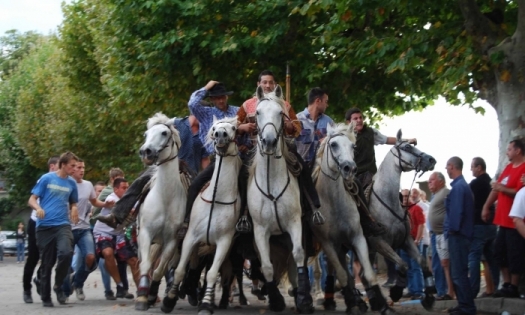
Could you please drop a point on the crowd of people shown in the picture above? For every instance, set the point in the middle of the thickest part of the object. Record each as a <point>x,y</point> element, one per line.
<point>455,228</point>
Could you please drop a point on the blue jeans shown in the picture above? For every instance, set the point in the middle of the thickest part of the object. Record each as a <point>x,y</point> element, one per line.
<point>458,247</point>
<point>106,279</point>
<point>85,245</point>
<point>437,269</point>
<point>482,242</point>
<point>20,249</point>
<point>414,274</point>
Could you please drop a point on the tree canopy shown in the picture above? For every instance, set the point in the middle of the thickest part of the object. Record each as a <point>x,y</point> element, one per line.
<point>114,63</point>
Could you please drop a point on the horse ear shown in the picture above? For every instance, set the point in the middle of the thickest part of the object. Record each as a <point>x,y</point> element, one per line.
<point>259,93</point>
<point>351,126</point>
<point>399,134</point>
<point>278,91</point>
<point>214,120</point>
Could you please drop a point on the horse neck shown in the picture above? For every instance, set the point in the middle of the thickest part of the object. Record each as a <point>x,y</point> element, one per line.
<point>270,166</point>
<point>388,178</point>
<point>168,175</point>
<point>226,178</point>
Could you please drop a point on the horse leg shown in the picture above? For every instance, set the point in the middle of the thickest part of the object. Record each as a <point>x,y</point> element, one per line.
<point>342,275</point>
<point>223,245</point>
<point>237,262</point>
<point>191,282</point>
<point>170,300</point>
<point>329,288</point>
<point>382,247</point>
<point>292,277</point>
<point>430,289</point>
<point>262,241</point>
<point>226,284</point>
<point>317,274</point>
<point>375,297</point>
<point>352,296</point>
<point>160,271</point>
<point>145,265</point>
<point>303,298</point>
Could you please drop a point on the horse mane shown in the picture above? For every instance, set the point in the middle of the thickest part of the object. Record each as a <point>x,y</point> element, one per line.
<point>229,120</point>
<point>274,98</point>
<point>160,118</point>
<point>338,128</point>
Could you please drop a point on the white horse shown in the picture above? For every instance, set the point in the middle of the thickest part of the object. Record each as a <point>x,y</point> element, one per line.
<point>333,174</point>
<point>273,199</point>
<point>162,213</point>
<point>386,208</point>
<point>214,214</point>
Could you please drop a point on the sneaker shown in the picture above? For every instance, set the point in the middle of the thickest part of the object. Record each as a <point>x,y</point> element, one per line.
<point>110,295</point>
<point>80,294</point>
<point>388,284</point>
<point>508,291</point>
<point>36,281</point>
<point>47,303</point>
<point>108,220</point>
<point>121,293</point>
<point>258,293</point>
<point>61,297</point>
<point>417,297</point>
<point>27,297</point>
<point>128,295</point>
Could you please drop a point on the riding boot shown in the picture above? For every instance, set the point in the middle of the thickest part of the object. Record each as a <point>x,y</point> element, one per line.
<point>122,209</point>
<point>369,225</point>
<point>193,191</point>
<point>307,189</point>
<point>243,225</point>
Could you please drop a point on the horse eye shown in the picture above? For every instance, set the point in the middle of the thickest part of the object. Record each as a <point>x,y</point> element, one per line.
<point>233,128</point>
<point>333,145</point>
<point>164,133</point>
<point>213,129</point>
<point>354,146</point>
<point>257,112</point>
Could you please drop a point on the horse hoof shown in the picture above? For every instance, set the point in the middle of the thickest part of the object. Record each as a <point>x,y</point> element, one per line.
<point>192,300</point>
<point>306,309</point>
<point>277,303</point>
<point>168,305</point>
<point>396,292</point>
<point>223,305</point>
<point>152,300</point>
<point>243,301</point>
<point>353,311</point>
<point>428,302</point>
<point>329,305</point>
<point>141,306</point>
<point>206,308</point>
<point>388,311</point>
<point>362,306</point>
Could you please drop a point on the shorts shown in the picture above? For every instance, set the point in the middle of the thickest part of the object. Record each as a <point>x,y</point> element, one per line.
<point>509,250</point>
<point>442,247</point>
<point>120,245</point>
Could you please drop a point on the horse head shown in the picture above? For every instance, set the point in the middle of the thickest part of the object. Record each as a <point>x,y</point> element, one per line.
<point>222,134</point>
<point>161,134</point>
<point>270,121</point>
<point>411,158</point>
<point>339,146</point>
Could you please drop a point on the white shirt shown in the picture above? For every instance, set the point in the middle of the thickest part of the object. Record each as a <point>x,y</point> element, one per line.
<point>518,206</point>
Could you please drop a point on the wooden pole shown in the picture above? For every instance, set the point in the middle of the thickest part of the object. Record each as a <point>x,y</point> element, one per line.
<point>287,97</point>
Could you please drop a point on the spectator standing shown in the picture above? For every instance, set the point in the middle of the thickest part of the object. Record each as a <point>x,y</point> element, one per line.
<point>58,196</point>
<point>33,255</point>
<point>20,243</point>
<point>459,228</point>
<point>425,240</point>
<point>440,254</point>
<point>509,246</point>
<point>417,223</point>
<point>484,232</point>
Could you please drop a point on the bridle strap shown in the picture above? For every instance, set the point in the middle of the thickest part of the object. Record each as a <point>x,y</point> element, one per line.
<point>173,143</point>
<point>333,158</point>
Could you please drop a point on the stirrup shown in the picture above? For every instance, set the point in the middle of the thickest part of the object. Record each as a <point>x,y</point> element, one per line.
<point>243,225</point>
<point>318,218</point>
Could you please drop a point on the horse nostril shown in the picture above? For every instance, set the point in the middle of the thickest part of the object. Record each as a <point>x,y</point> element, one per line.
<point>148,151</point>
<point>264,141</point>
<point>141,152</point>
<point>274,142</point>
<point>216,134</point>
<point>224,134</point>
<point>432,160</point>
<point>346,169</point>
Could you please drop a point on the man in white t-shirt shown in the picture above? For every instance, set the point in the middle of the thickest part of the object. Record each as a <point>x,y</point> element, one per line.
<point>425,240</point>
<point>517,212</point>
<point>82,235</point>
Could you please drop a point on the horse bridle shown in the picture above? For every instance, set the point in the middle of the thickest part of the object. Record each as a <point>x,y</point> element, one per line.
<point>173,143</point>
<point>401,160</point>
<point>333,158</point>
<point>279,131</point>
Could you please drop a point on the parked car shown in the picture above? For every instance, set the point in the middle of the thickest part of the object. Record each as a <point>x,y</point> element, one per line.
<point>10,243</point>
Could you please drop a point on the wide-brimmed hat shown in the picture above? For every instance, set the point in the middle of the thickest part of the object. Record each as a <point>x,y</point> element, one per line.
<point>219,90</point>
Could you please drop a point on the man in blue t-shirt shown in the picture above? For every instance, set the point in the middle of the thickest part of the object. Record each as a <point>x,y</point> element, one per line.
<point>58,196</point>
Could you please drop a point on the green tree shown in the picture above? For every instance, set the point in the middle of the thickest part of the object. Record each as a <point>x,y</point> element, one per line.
<point>398,51</point>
